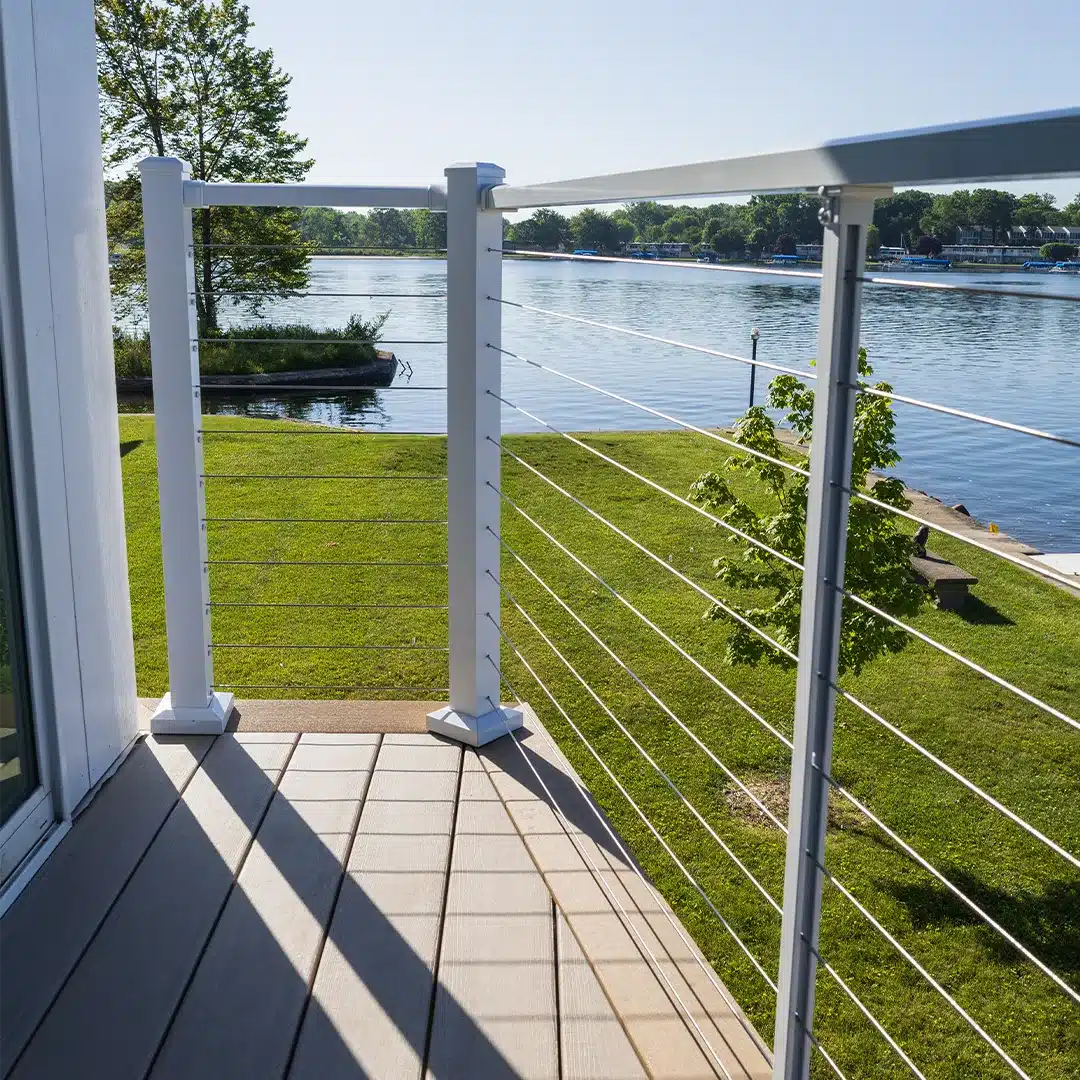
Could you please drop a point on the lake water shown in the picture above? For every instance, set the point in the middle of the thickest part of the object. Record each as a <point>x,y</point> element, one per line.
<point>1015,359</point>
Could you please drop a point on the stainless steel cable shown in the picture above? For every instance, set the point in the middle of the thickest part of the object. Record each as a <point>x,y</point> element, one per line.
<point>978,418</point>
<point>958,893</point>
<point>841,790</point>
<point>653,484</point>
<point>315,476</point>
<point>682,265</point>
<point>960,778</point>
<point>960,658</point>
<point>360,648</point>
<point>782,649</point>
<point>358,607</point>
<point>824,1053</point>
<point>758,966</point>
<point>832,972</point>
<point>715,436</point>
<point>981,290</point>
<point>698,742</point>
<point>602,882</point>
<point>952,1002</point>
<point>313,562</point>
<point>644,618</point>
<point>1032,567</point>
<point>704,350</point>
<point>324,521</point>
<point>648,757</point>
<point>315,341</point>
<point>326,686</point>
<point>307,388</point>
<point>286,294</point>
<point>324,431</point>
<point>877,1025</point>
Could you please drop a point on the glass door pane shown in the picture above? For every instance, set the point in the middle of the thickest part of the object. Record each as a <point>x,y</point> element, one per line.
<point>19,775</point>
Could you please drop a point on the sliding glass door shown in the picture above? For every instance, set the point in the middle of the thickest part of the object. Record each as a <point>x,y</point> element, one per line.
<point>25,809</point>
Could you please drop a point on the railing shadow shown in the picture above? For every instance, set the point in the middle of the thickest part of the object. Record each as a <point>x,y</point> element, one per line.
<point>1045,921</point>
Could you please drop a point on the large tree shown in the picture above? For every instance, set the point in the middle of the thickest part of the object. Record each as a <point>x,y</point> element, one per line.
<point>180,78</point>
<point>898,217</point>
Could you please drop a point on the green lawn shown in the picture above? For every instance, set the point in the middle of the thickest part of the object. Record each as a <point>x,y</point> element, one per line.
<point>1021,628</point>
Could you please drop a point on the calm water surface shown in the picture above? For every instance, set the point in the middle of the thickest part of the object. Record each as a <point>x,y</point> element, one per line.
<point>1016,359</point>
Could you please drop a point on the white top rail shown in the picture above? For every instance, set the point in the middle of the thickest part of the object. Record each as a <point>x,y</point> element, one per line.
<point>1037,146</point>
<point>198,193</point>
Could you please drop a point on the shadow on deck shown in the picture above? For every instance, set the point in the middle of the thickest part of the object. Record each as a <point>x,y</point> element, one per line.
<point>343,904</point>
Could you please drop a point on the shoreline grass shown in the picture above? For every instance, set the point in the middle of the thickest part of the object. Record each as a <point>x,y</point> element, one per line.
<point>262,348</point>
<point>1021,628</point>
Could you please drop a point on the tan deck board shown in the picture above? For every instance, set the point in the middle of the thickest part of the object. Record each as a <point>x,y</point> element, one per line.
<point>495,1004</point>
<point>44,934</point>
<point>593,1043</point>
<point>115,1007</point>
<point>413,908</point>
<point>240,1014</point>
<point>653,1007</point>
<point>371,1001</point>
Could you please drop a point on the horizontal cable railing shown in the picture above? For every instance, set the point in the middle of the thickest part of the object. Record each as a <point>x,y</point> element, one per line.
<point>979,669</point>
<point>385,644</point>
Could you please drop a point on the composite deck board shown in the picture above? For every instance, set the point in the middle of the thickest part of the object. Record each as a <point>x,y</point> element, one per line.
<point>621,925</point>
<point>593,1043</point>
<point>240,1014</point>
<point>114,1009</point>
<point>44,933</point>
<point>495,1001</point>
<point>371,1001</point>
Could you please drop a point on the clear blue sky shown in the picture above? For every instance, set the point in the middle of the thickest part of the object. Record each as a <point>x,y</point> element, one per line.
<point>551,89</point>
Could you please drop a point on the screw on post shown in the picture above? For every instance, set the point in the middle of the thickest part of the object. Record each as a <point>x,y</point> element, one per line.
<point>753,356</point>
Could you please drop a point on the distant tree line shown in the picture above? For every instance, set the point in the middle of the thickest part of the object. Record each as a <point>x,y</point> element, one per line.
<point>325,228</point>
<point>778,222</point>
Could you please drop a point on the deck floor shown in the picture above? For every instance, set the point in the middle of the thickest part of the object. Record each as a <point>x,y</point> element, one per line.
<point>269,904</point>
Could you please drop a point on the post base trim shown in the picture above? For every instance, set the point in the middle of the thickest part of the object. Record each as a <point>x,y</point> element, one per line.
<point>473,730</point>
<point>188,720</point>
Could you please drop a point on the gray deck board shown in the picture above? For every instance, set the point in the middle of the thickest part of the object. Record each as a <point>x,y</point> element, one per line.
<point>495,1004</point>
<point>44,933</point>
<point>114,1009</point>
<point>593,1043</point>
<point>370,1004</point>
<point>244,1005</point>
<point>621,925</point>
<point>386,906</point>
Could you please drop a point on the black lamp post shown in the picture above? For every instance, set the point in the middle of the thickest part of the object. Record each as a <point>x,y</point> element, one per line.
<point>753,356</point>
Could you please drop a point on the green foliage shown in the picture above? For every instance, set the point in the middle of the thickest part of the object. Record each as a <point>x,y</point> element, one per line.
<point>1058,252</point>
<point>928,245</point>
<point>598,231</point>
<point>1034,210</point>
<point>873,241</point>
<point>897,217</point>
<point>878,550</point>
<point>292,347</point>
<point>1071,214</point>
<point>180,78</point>
<point>547,230</point>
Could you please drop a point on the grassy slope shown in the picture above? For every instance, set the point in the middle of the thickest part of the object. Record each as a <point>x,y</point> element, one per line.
<point>1024,630</point>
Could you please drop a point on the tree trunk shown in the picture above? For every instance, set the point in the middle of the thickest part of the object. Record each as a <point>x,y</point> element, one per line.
<point>209,300</point>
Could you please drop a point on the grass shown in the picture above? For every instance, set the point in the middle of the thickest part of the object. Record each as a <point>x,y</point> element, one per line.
<point>1019,627</point>
<point>292,347</point>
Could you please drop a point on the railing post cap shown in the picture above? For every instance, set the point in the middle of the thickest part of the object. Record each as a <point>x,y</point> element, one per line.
<point>163,164</point>
<point>487,173</point>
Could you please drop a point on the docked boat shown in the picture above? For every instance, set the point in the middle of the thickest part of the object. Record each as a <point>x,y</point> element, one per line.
<point>919,263</point>
<point>1069,266</point>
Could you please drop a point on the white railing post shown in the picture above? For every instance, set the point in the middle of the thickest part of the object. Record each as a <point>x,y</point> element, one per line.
<point>190,706</point>
<point>847,214</point>
<point>473,418</point>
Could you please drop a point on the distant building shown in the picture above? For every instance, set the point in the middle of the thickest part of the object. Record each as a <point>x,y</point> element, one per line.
<point>667,250</point>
